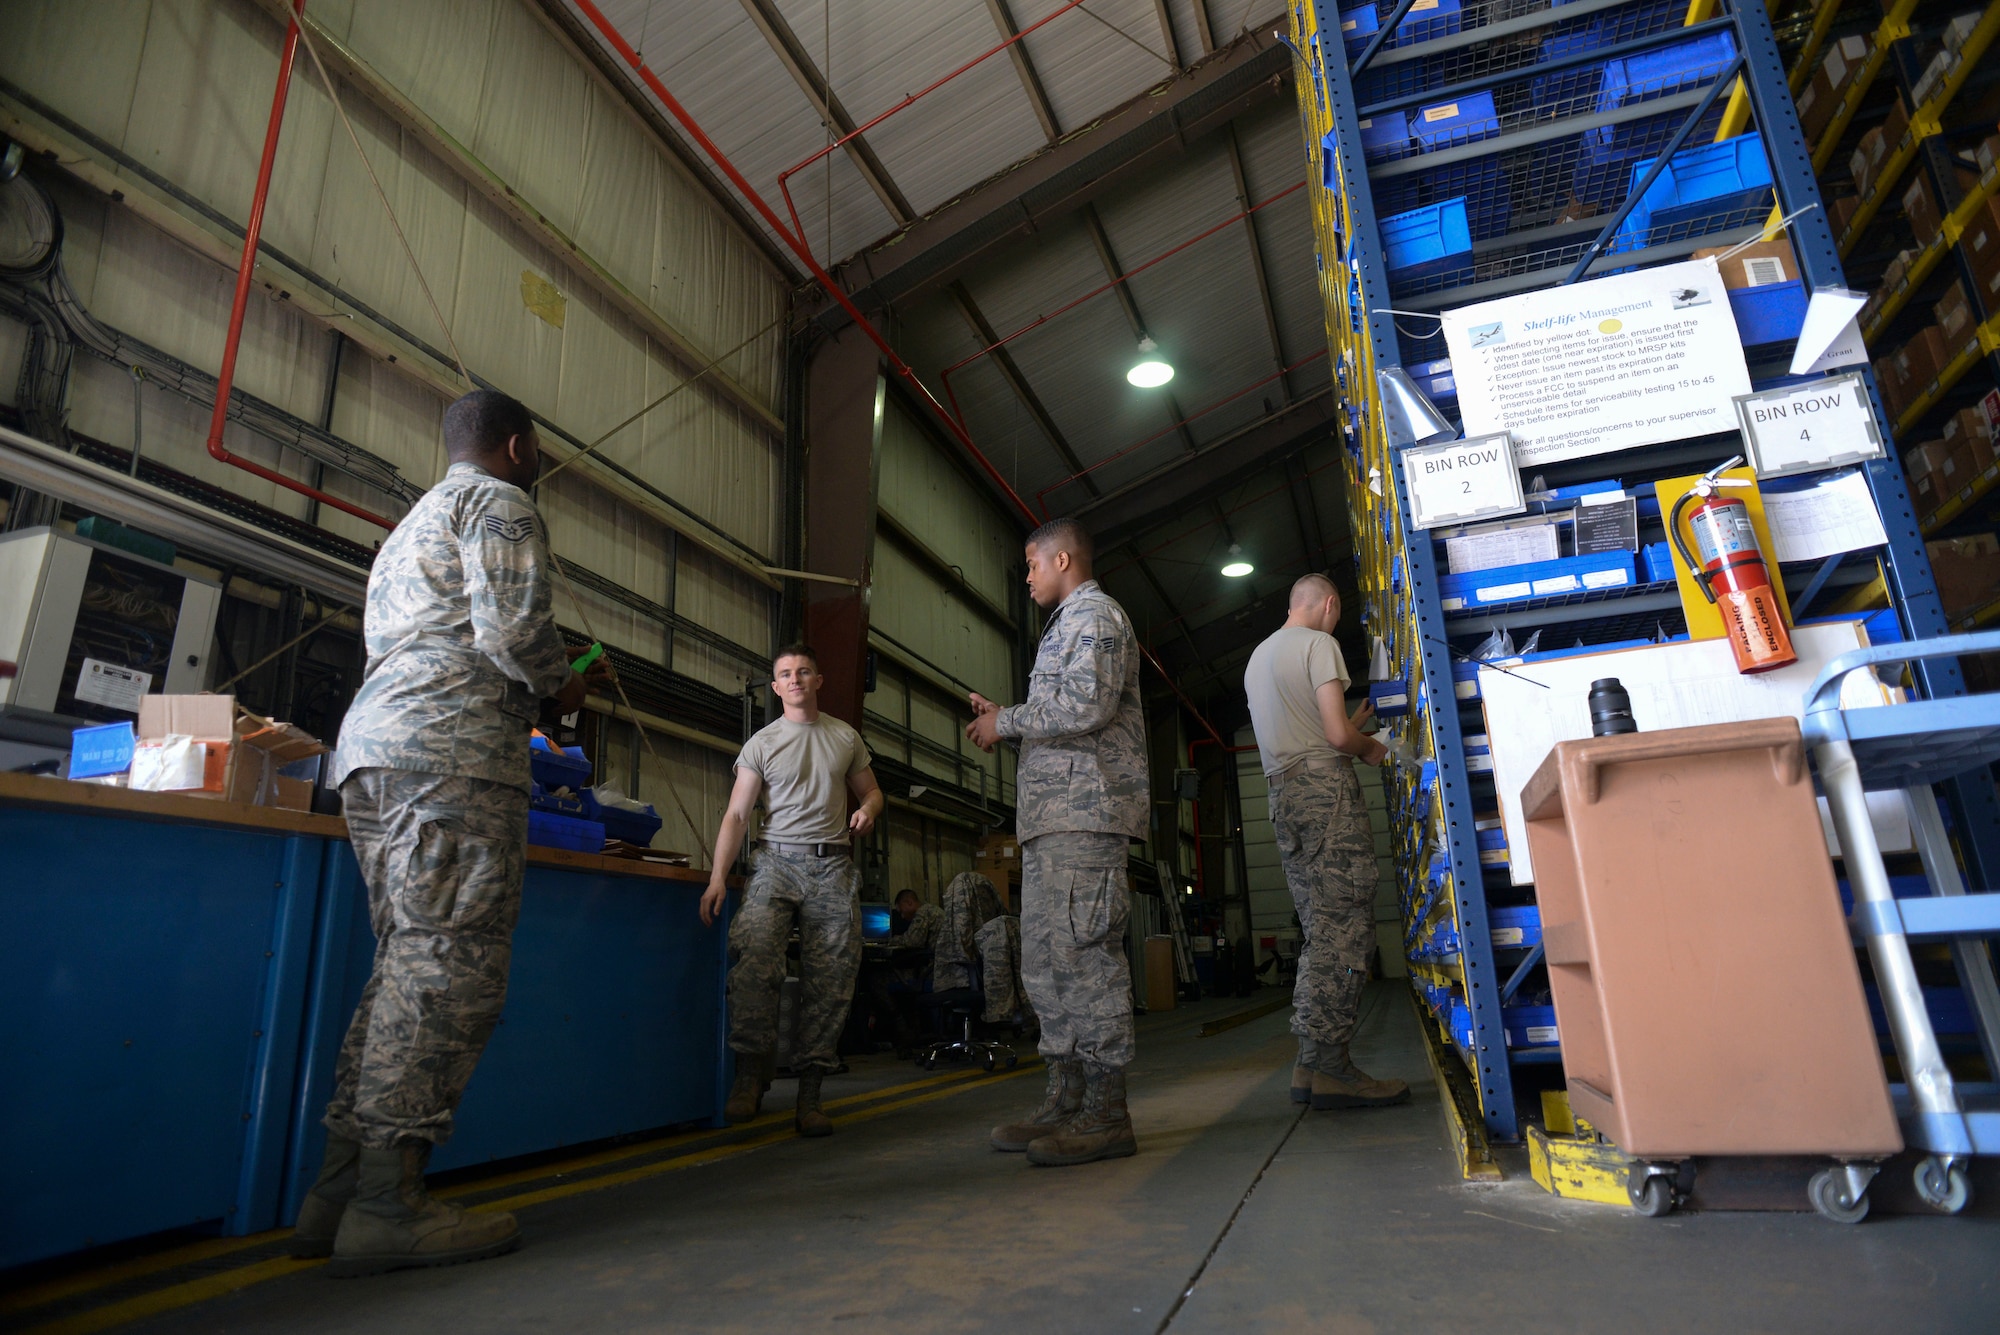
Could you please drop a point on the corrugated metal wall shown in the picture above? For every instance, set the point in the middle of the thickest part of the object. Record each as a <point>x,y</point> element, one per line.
<point>183,88</point>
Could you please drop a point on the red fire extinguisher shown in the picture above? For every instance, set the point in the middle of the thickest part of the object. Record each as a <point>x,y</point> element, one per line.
<point>1732,572</point>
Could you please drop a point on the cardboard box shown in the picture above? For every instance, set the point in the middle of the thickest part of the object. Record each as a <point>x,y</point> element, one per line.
<point>1920,465</point>
<point>1953,315</point>
<point>1836,71</point>
<point>1891,389</point>
<point>1161,992</point>
<point>1868,155</point>
<point>1969,433</point>
<point>1755,266</point>
<point>1989,153</point>
<point>1980,244</point>
<point>1917,363</point>
<point>240,753</point>
<point>1920,205</point>
<point>1967,571</point>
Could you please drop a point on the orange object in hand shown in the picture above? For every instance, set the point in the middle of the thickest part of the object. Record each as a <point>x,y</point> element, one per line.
<point>1732,573</point>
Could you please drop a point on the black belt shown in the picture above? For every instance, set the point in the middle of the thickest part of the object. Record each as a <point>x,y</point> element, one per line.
<point>812,850</point>
<point>1309,765</point>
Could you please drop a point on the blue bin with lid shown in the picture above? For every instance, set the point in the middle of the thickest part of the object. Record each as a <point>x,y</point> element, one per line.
<point>546,829</point>
<point>1530,1026</point>
<point>634,827</point>
<point>1433,239</point>
<point>556,767</point>
<point>1514,928</point>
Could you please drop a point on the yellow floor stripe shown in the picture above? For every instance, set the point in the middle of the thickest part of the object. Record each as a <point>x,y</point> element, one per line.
<point>175,1296</point>
<point>214,1286</point>
<point>41,1295</point>
<point>770,1119</point>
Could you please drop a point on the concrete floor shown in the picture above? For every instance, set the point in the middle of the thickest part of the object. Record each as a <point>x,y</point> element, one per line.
<point>1250,1215</point>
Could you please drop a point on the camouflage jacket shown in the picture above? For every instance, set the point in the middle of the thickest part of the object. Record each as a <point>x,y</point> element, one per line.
<point>1082,734</point>
<point>461,638</point>
<point>969,903</point>
<point>921,934</point>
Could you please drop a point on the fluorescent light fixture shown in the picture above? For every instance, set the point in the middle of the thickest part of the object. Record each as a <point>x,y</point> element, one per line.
<point>1236,567</point>
<point>1151,372</point>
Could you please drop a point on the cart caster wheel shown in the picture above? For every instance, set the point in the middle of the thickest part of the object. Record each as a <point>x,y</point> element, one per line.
<point>1828,1192</point>
<point>1012,1061</point>
<point>1945,1189</point>
<point>987,1061</point>
<point>930,1063</point>
<point>1651,1196</point>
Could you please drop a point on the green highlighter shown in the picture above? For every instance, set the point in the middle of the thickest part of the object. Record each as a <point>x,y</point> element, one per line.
<point>590,655</point>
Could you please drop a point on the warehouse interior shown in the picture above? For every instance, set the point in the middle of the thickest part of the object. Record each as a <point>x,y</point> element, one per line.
<point>819,311</point>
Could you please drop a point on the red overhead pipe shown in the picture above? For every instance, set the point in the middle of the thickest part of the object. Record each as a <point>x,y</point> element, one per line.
<point>796,244</point>
<point>244,271</point>
<point>1199,412</point>
<point>1066,307</point>
<point>860,130</point>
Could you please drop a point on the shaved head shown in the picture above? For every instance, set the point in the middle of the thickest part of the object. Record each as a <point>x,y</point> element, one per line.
<point>1310,589</point>
<point>1063,535</point>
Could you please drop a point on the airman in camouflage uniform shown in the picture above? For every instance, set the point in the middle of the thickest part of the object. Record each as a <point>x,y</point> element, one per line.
<point>433,772</point>
<point>921,931</point>
<point>805,765</point>
<point>1296,682</point>
<point>998,945</point>
<point>970,902</point>
<point>1081,797</point>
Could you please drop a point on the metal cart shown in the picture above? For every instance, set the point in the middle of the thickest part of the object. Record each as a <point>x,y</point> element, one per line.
<point>1909,747</point>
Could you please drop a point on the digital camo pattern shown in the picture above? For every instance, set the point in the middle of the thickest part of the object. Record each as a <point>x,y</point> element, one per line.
<point>443,856</point>
<point>1082,734</point>
<point>1074,902</point>
<point>823,896</point>
<point>461,640</point>
<point>922,930</point>
<point>1328,852</point>
<point>970,902</point>
<point>998,945</point>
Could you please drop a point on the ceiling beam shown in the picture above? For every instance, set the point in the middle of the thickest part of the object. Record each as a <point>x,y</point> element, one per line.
<point>1024,68</point>
<point>1251,72</point>
<point>1099,238</point>
<point>1250,237</point>
<point>1167,31</point>
<point>813,82</point>
<point>1169,490</point>
<point>1010,371</point>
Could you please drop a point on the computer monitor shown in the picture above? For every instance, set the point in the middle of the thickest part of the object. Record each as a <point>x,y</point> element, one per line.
<point>875,922</point>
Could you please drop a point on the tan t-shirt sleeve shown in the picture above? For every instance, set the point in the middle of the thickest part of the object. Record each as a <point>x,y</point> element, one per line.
<point>1324,663</point>
<point>862,760</point>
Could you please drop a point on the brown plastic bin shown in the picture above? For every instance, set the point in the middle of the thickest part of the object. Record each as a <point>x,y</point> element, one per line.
<point>1704,984</point>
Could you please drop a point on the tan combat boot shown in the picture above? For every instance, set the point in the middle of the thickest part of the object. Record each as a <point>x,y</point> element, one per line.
<point>319,1217</point>
<point>1302,1071</point>
<point>1059,1104</point>
<point>1101,1129</point>
<point>746,1096</point>
<point>808,1120</point>
<point>1350,1086</point>
<point>394,1224</point>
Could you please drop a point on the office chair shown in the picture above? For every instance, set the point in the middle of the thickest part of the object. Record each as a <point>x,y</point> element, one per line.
<point>962,1004</point>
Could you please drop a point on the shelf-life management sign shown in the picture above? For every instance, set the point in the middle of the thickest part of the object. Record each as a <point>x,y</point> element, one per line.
<point>1611,364</point>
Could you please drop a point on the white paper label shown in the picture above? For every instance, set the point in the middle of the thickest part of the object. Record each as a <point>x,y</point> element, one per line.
<point>1554,584</point>
<point>1611,364</point>
<point>1542,1033</point>
<point>1457,480</point>
<point>1501,592</point>
<point>112,686</point>
<point>1804,428</point>
<point>1603,579</point>
<point>1507,936</point>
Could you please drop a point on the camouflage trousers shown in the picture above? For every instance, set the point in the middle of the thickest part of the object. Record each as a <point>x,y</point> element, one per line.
<point>1328,851</point>
<point>823,896</point>
<point>443,858</point>
<point>1074,903</point>
<point>999,947</point>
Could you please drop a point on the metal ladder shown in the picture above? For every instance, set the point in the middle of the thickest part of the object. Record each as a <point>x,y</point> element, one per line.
<point>1908,747</point>
<point>1176,926</point>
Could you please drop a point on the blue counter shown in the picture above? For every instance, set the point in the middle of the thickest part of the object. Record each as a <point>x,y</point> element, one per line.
<point>177,974</point>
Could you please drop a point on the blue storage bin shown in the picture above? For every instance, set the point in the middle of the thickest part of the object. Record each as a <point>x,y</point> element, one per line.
<point>1536,579</point>
<point>549,830</point>
<point>101,750</point>
<point>1463,120</point>
<point>1458,1023</point>
<point>1427,240</point>
<point>1357,25</point>
<point>1726,177</point>
<point>1426,21</point>
<point>1658,558</point>
<point>1663,70</point>
<point>1434,378</point>
<point>1390,698</point>
<point>634,827</point>
<point>541,799</point>
<point>1465,681</point>
<point>1515,928</point>
<point>1481,182</point>
<point>553,768</point>
<point>1530,1026</point>
<point>1384,137</point>
<point>1773,313</point>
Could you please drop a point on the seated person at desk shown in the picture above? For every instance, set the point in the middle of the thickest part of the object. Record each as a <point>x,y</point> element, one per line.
<point>898,965</point>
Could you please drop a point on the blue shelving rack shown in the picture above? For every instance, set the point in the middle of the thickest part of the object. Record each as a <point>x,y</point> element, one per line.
<point>1525,125</point>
